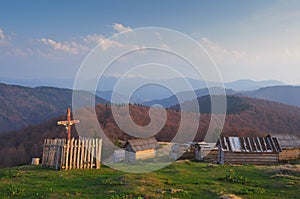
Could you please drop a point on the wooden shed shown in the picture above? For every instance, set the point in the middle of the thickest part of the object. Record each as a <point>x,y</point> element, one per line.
<point>248,150</point>
<point>290,146</point>
<point>207,152</point>
<point>141,149</point>
<point>182,151</point>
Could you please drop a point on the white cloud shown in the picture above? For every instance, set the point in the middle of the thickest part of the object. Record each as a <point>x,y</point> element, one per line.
<point>4,40</point>
<point>127,76</point>
<point>212,47</point>
<point>69,47</point>
<point>2,37</point>
<point>221,54</point>
<point>95,39</point>
<point>120,28</point>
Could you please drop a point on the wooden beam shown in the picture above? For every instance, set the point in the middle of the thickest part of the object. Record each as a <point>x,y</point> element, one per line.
<point>253,139</point>
<point>249,142</point>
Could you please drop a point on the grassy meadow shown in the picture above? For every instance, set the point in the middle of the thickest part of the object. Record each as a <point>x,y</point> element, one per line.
<point>182,179</point>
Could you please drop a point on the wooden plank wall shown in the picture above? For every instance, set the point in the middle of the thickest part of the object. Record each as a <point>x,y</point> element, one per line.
<point>249,158</point>
<point>146,154</point>
<point>211,155</point>
<point>84,153</point>
<point>289,154</point>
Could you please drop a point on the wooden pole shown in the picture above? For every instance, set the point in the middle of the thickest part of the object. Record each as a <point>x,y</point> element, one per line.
<point>69,124</point>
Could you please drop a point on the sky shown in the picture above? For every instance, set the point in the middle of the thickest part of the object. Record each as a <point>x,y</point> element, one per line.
<point>256,40</point>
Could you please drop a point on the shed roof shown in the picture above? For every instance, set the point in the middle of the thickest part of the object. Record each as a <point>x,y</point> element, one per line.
<point>250,144</point>
<point>288,141</point>
<point>142,144</point>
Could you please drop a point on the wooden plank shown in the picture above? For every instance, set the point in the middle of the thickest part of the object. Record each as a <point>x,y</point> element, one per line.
<point>249,143</point>
<point>44,153</point>
<point>85,162</point>
<point>98,153</point>
<point>269,143</point>
<point>264,143</point>
<point>225,143</point>
<point>275,146</point>
<point>93,157</point>
<point>75,155</point>
<point>67,154</point>
<point>63,155</point>
<point>245,146</point>
<point>78,154</point>
<point>254,142</point>
<point>82,153</point>
<point>57,164</point>
<point>71,153</point>
<point>89,154</point>
<point>260,147</point>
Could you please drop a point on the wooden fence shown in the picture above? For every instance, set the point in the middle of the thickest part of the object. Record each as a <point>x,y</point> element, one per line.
<point>83,153</point>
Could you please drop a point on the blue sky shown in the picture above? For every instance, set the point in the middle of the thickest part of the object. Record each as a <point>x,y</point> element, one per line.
<point>247,39</point>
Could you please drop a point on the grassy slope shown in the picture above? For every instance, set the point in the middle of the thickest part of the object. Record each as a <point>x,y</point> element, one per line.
<point>194,180</point>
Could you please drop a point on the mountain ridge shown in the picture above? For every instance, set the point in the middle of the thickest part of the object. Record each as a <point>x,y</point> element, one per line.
<point>21,106</point>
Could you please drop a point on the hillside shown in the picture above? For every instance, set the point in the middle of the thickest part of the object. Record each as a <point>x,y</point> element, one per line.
<point>22,106</point>
<point>283,94</point>
<point>187,95</point>
<point>182,179</point>
<point>248,85</point>
<point>246,117</point>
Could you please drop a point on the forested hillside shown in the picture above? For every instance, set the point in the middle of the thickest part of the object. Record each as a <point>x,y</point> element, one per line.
<point>246,117</point>
<point>22,106</point>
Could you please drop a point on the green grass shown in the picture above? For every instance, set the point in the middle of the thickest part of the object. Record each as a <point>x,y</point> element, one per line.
<point>185,179</point>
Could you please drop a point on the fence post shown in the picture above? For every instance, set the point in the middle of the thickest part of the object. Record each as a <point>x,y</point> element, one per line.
<point>98,153</point>
<point>82,153</point>
<point>78,153</point>
<point>63,154</point>
<point>67,154</point>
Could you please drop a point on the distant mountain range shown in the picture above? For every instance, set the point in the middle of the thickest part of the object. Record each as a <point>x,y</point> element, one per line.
<point>248,85</point>
<point>188,95</point>
<point>22,106</point>
<point>284,94</point>
<point>146,93</point>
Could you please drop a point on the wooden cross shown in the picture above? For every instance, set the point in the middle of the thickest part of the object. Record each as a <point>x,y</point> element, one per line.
<point>68,123</point>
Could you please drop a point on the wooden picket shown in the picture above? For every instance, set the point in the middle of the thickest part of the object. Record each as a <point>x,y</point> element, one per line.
<point>83,153</point>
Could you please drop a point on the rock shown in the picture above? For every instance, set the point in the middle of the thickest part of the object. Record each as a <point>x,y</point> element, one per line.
<point>173,191</point>
<point>230,196</point>
<point>161,191</point>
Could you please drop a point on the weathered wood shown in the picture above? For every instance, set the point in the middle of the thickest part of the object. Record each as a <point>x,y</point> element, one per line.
<point>78,154</point>
<point>92,152</point>
<point>250,145</point>
<point>88,153</point>
<point>249,158</point>
<point>82,154</point>
<point>289,154</point>
<point>98,153</point>
<point>67,155</point>
<point>72,154</point>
